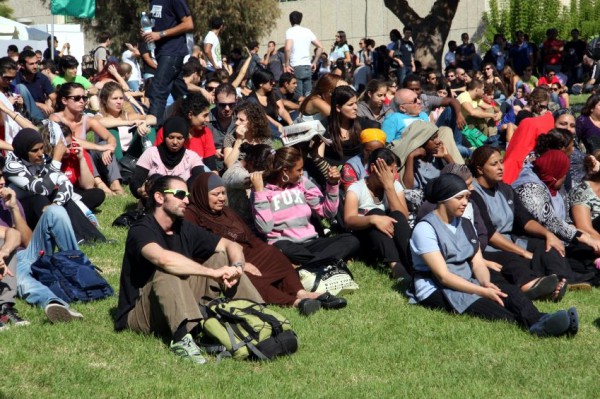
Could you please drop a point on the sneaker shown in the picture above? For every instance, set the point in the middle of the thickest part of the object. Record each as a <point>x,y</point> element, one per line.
<point>8,314</point>
<point>187,349</point>
<point>57,312</point>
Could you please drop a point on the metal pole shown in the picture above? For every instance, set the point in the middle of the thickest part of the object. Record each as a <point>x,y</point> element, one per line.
<point>52,39</point>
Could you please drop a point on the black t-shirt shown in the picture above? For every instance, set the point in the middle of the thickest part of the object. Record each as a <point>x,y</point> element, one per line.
<point>408,51</point>
<point>293,97</point>
<point>168,14</point>
<point>187,239</point>
<point>143,48</point>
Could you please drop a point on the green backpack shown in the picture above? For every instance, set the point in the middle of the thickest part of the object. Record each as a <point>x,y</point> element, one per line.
<point>474,136</point>
<point>244,329</point>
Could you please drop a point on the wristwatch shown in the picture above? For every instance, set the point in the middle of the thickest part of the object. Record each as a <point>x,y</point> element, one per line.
<point>162,34</point>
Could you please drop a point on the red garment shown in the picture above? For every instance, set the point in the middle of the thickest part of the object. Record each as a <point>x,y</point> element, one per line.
<point>550,167</point>
<point>523,142</point>
<point>200,141</point>
<point>70,166</point>
<point>552,51</point>
<point>544,82</point>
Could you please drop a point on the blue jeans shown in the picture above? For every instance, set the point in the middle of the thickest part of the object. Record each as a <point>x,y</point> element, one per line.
<point>402,73</point>
<point>53,230</point>
<point>168,78</point>
<point>304,77</point>
<point>29,103</point>
<point>448,118</point>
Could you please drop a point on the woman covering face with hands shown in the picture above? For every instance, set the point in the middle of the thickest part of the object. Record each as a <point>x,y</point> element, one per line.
<point>375,210</point>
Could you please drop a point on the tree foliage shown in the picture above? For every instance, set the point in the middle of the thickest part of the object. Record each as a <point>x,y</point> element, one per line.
<point>245,20</point>
<point>535,17</point>
<point>430,32</point>
<point>5,10</point>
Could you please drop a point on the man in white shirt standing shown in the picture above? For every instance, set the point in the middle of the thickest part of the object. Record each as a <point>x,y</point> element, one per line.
<point>212,45</point>
<point>297,53</point>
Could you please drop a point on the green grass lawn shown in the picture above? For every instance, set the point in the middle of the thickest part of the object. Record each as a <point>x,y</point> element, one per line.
<point>378,347</point>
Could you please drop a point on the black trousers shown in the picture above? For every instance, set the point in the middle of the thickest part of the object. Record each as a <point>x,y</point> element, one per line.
<point>341,246</point>
<point>515,268</point>
<point>547,263</point>
<point>517,307</point>
<point>92,198</point>
<point>389,249</point>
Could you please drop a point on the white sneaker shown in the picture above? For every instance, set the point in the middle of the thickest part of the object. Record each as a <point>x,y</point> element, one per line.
<point>57,312</point>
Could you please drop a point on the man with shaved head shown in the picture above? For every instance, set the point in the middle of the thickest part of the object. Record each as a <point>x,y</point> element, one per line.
<point>408,107</point>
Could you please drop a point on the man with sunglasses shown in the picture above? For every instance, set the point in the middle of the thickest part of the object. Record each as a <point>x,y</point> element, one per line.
<point>221,121</point>
<point>35,88</point>
<point>409,108</point>
<point>162,280</point>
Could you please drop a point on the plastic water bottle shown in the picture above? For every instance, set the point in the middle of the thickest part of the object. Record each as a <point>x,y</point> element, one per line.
<point>92,218</point>
<point>147,27</point>
<point>146,143</point>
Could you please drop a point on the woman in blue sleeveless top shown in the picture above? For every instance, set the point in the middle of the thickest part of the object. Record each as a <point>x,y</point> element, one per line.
<point>451,274</point>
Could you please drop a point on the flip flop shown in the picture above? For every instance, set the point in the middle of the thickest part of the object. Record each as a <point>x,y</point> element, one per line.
<point>560,291</point>
<point>543,288</point>
<point>579,287</point>
<point>573,321</point>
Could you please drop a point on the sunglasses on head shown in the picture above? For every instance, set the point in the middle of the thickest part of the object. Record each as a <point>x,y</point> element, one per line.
<point>78,98</point>
<point>179,194</point>
<point>225,105</point>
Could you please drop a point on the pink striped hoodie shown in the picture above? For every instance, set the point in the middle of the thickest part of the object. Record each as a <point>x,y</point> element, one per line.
<point>283,214</point>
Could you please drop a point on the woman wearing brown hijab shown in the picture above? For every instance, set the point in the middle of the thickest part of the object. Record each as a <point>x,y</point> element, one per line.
<point>269,270</point>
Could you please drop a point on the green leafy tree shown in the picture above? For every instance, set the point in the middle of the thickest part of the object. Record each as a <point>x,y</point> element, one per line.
<point>245,20</point>
<point>535,17</point>
<point>430,32</point>
<point>5,10</point>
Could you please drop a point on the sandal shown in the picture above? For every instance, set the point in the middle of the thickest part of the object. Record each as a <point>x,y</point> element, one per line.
<point>560,290</point>
<point>579,287</point>
<point>543,288</point>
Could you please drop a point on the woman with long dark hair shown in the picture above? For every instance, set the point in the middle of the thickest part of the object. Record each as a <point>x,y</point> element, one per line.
<point>251,127</point>
<point>71,102</point>
<point>263,94</point>
<point>588,124</point>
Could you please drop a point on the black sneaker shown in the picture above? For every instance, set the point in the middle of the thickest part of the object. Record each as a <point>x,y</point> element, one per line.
<point>9,315</point>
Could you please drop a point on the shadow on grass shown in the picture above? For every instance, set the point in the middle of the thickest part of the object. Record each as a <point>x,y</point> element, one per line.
<point>597,323</point>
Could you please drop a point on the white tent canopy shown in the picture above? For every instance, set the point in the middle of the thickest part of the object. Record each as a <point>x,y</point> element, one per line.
<point>10,30</point>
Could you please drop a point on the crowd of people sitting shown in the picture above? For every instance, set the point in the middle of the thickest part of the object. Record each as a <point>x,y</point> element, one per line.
<point>478,192</point>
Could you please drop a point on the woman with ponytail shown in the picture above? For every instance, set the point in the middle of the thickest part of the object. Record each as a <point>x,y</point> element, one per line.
<point>283,201</point>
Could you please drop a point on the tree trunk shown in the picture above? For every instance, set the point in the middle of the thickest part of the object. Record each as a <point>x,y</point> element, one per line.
<point>429,33</point>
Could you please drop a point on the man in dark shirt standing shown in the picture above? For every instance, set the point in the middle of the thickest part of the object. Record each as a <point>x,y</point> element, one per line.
<point>37,84</point>
<point>161,281</point>
<point>172,20</point>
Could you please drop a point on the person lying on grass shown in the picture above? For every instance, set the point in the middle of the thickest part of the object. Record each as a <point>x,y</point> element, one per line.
<point>161,281</point>
<point>451,274</point>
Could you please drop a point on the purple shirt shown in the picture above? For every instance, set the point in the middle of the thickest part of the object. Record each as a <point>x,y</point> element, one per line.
<point>588,133</point>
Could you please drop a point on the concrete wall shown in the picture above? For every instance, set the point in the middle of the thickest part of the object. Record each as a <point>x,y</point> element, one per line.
<point>365,18</point>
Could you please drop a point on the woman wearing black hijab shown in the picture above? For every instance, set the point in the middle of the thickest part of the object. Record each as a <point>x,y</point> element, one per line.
<point>39,182</point>
<point>170,158</point>
<point>451,274</point>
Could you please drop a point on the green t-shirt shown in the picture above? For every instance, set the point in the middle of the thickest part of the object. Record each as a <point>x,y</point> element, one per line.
<point>59,80</point>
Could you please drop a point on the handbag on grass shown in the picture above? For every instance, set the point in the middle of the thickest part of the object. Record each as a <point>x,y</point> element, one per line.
<point>330,275</point>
